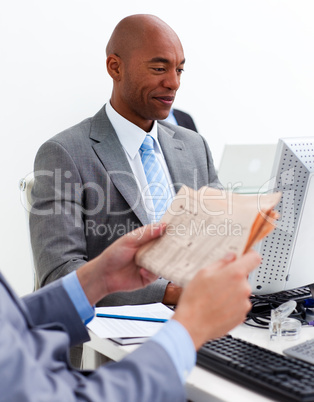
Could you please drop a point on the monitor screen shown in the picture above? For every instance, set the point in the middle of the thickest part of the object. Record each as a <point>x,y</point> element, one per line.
<point>287,252</point>
<point>245,168</point>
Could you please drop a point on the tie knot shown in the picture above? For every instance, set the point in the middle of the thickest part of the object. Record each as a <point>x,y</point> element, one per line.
<point>148,144</point>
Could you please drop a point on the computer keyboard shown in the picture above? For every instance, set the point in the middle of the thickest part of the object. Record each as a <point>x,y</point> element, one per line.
<point>266,372</point>
<point>303,351</point>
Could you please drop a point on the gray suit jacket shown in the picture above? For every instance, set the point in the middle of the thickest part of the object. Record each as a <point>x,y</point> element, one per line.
<point>85,196</point>
<point>34,341</point>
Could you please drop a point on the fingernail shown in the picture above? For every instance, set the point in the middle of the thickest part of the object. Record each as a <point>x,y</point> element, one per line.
<point>230,256</point>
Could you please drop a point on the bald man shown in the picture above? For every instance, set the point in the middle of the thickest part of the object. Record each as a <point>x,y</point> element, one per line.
<point>90,184</point>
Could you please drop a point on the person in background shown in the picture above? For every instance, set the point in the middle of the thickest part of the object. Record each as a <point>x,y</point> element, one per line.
<point>95,181</point>
<point>36,332</point>
<point>90,182</point>
<point>180,118</point>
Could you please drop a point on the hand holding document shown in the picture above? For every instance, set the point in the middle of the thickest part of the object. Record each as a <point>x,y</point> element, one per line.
<point>203,226</point>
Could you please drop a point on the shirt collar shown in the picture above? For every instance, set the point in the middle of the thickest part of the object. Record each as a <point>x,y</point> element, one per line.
<point>130,136</point>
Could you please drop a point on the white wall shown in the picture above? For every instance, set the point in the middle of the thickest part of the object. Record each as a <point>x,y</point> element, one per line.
<point>249,77</point>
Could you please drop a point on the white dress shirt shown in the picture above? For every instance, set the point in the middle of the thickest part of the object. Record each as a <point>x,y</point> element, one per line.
<point>131,138</point>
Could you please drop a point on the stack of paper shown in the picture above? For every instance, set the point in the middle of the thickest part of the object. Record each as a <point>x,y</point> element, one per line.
<point>117,328</point>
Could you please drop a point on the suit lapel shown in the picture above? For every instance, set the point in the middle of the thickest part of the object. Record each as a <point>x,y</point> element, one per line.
<point>112,156</point>
<point>178,160</point>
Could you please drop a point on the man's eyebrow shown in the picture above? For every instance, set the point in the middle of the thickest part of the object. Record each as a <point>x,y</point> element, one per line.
<point>162,60</point>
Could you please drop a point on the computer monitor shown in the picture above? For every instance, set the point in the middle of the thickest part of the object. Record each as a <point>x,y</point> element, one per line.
<point>287,252</point>
<point>246,167</point>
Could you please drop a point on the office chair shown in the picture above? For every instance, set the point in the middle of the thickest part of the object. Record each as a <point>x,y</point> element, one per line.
<point>25,186</point>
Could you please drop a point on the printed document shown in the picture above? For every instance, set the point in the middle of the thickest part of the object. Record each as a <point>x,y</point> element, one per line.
<point>202,226</point>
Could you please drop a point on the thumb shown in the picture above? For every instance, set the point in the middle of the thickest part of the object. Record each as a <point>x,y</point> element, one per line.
<point>229,257</point>
<point>224,261</point>
<point>246,263</point>
<point>250,261</point>
<point>144,234</point>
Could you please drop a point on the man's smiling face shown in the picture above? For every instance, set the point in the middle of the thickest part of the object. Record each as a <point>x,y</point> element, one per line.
<point>148,75</point>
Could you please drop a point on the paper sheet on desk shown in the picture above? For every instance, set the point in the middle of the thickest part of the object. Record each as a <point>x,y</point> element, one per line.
<point>115,328</point>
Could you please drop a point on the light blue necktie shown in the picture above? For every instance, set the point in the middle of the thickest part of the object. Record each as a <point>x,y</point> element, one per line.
<point>156,178</point>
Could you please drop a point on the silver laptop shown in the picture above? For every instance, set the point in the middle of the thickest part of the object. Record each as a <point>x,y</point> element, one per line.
<point>246,168</point>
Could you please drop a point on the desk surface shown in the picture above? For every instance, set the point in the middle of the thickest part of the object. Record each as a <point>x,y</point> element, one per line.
<point>201,384</point>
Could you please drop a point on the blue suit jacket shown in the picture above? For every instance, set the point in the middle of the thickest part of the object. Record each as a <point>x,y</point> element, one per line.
<point>35,337</point>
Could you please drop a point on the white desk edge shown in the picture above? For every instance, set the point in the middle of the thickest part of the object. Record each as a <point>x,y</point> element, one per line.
<point>201,384</point>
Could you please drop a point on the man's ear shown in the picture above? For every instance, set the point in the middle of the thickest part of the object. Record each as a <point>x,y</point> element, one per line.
<point>113,63</point>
